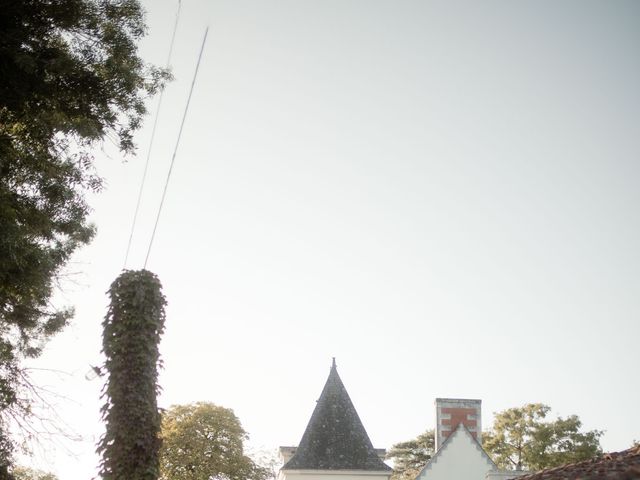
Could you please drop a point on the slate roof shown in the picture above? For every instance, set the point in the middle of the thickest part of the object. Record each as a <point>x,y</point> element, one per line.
<point>623,465</point>
<point>335,438</point>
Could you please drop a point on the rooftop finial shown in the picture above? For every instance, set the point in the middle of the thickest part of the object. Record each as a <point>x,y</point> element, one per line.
<point>333,362</point>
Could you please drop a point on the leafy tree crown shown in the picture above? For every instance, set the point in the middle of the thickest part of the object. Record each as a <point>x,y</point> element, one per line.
<point>203,441</point>
<point>71,77</point>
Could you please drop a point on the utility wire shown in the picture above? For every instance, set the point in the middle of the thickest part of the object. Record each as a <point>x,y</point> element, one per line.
<point>153,134</point>
<point>175,150</point>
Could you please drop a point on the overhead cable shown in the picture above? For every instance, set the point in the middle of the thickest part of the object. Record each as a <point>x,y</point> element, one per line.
<point>175,150</point>
<point>153,134</point>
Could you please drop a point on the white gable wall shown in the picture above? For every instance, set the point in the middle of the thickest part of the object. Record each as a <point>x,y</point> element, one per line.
<point>332,475</point>
<point>459,458</point>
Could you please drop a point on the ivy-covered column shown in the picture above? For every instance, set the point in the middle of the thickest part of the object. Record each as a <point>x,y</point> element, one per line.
<point>132,329</point>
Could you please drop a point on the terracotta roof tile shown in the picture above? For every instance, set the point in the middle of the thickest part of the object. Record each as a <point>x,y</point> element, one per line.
<point>623,465</point>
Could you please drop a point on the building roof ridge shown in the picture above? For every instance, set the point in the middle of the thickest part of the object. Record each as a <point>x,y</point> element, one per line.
<point>434,458</point>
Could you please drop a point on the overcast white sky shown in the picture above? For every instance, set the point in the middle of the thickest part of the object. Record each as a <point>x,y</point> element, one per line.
<point>442,195</point>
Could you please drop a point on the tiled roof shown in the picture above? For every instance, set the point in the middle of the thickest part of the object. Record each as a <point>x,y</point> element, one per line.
<point>611,466</point>
<point>335,438</point>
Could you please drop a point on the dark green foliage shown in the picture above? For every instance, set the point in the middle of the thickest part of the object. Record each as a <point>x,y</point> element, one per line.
<point>6,453</point>
<point>202,441</point>
<point>132,330</point>
<point>409,457</point>
<point>522,438</point>
<point>70,77</point>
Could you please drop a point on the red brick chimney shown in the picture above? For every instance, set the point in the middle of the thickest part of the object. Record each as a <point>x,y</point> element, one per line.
<point>450,412</point>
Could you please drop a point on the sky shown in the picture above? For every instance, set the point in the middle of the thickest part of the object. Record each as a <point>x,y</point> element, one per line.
<point>442,195</point>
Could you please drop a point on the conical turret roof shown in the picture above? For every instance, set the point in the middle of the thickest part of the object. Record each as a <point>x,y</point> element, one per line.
<point>335,438</point>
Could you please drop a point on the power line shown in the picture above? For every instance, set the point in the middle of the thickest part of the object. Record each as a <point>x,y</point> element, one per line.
<point>175,150</point>
<point>153,134</point>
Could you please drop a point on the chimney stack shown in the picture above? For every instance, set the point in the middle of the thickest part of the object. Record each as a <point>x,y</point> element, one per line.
<point>450,412</point>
